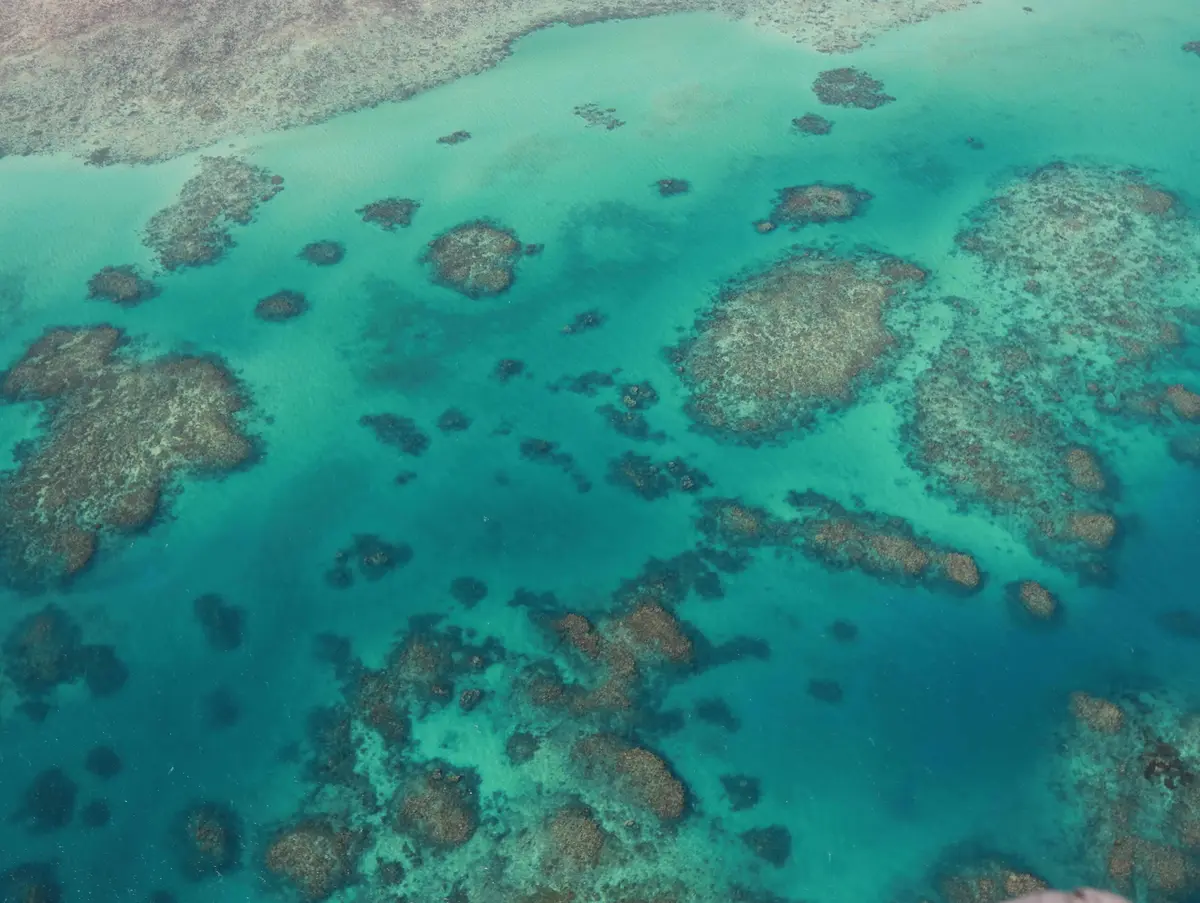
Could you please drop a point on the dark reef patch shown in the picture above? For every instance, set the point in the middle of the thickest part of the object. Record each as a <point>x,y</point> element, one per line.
<point>324,253</point>
<point>281,306</point>
<point>584,384</point>
<point>95,814</point>
<point>398,432</point>
<point>717,712</point>
<point>373,556</point>
<point>122,285</point>
<point>508,368</point>
<point>849,87</point>
<point>584,322</point>
<point>546,452</point>
<point>103,762</point>
<point>468,591</point>
<point>390,213</point>
<point>772,844</point>
<point>812,124</point>
<point>651,480</point>
<point>224,625</point>
<point>47,803</point>
<point>597,116</point>
<point>742,790</point>
<point>455,137</point>
<point>829,691</point>
<point>452,420</point>
<point>669,188</point>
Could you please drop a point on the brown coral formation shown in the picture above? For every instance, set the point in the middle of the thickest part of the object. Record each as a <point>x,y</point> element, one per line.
<point>315,857</point>
<point>122,285</point>
<point>801,205</point>
<point>643,775</point>
<point>208,841</point>
<point>784,343</point>
<point>119,432</point>
<point>885,547</point>
<point>574,839</point>
<point>440,808</point>
<point>1184,402</point>
<point>477,258</point>
<point>990,881</point>
<point>195,230</point>
<point>1098,714</point>
<point>1084,472</point>
<point>1037,601</point>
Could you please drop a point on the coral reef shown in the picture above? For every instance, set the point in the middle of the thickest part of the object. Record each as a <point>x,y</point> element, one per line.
<point>118,433</point>
<point>742,790</point>
<point>575,840</point>
<point>248,66</point>
<point>843,631</point>
<point>95,814</point>
<point>801,205</point>
<point>824,690</point>
<point>48,802</point>
<point>812,124</point>
<point>399,432</point>
<point>315,857</point>
<point>1100,715</point>
<point>208,841</point>
<point>122,285</point>
<point>325,253</point>
<point>584,322</point>
<point>669,188</point>
<point>1035,601</point>
<point>31,882</point>
<point>521,747</point>
<point>456,137</point>
<point>986,881</point>
<point>546,452</point>
<point>223,624</point>
<point>508,368</point>
<point>772,844</point>
<point>46,650</point>
<point>718,713</point>
<point>477,258</point>
<point>780,345</point>
<point>390,213</point>
<point>882,546</point>
<point>103,762</point>
<point>374,557</point>
<point>281,306</point>
<point>195,230</point>
<point>1129,773</point>
<point>468,591</point>
<point>850,88</point>
<point>652,480</point>
<point>440,808</point>
<point>452,420</point>
<point>641,774</point>
<point>597,116</point>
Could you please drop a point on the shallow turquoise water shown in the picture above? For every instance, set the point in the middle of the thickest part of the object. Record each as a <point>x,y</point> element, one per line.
<point>948,737</point>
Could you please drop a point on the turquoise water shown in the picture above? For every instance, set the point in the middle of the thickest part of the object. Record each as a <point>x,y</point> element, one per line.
<point>954,731</point>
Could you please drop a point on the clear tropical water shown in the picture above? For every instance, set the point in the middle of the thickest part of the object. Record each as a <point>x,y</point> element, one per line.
<point>952,737</point>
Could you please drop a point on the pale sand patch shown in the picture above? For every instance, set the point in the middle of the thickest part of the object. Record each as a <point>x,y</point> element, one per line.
<point>138,80</point>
